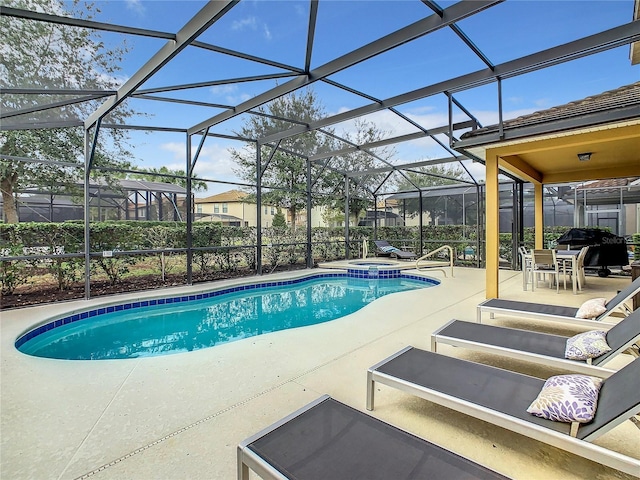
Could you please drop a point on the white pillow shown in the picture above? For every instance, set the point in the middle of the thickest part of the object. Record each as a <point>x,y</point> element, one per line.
<point>567,398</point>
<point>592,308</point>
<point>586,345</point>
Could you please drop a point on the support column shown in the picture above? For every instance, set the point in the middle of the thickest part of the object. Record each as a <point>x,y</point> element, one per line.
<point>515,217</point>
<point>309,250</point>
<point>375,217</point>
<point>420,222</point>
<point>346,218</point>
<point>89,153</point>
<point>258,210</point>
<point>188,208</point>
<point>539,214</point>
<point>492,226</point>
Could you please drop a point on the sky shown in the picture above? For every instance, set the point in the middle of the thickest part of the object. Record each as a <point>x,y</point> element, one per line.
<point>277,30</point>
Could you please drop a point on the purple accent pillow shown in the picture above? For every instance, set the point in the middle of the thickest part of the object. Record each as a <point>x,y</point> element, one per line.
<point>586,345</point>
<point>567,398</point>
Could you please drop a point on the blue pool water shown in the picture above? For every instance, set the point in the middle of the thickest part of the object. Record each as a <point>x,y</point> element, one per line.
<point>184,324</point>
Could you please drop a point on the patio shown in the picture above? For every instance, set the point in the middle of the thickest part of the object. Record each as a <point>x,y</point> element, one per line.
<point>182,416</point>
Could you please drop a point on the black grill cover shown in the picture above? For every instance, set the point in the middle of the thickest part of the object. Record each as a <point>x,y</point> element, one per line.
<point>606,249</point>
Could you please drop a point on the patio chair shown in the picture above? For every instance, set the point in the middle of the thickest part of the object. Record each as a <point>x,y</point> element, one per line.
<point>502,397</point>
<point>544,262</point>
<point>557,313</point>
<point>525,261</point>
<point>537,347</point>
<point>386,249</point>
<point>580,275</point>
<point>329,440</point>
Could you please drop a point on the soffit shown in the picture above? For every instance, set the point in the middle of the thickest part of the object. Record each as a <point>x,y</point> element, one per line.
<point>615,152</point>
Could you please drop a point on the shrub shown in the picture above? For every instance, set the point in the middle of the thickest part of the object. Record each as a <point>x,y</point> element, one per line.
<point>114,237</point>
<point>12,274</point>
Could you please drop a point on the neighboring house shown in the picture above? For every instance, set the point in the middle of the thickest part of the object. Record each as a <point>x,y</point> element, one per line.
<point>232,208</point>
<point>388,212</point>
<point>318,217</point>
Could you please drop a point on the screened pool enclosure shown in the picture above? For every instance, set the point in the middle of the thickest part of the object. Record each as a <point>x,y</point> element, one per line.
<point>404,108</point>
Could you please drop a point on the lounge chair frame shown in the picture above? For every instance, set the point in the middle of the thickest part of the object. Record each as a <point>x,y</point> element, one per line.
<point>397,253</point>
<point>536,310</point>
<point>577,366</point>
<point>249,458</point>
<point>557,439</point>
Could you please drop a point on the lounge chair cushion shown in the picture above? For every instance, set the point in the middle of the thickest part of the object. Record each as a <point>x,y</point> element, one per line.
<point>592,308</point>
<point>567,398</point>
<point>586,345</point>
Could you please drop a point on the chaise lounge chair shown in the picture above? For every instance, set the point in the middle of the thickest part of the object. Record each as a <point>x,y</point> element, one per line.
<point>329,440</point>
<point>386,249</point>
<point>556,313</point>
<point>502,398</point>
<point>537,347</point>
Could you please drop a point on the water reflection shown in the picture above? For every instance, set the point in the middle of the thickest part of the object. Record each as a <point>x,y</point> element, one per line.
<point>164,329</point>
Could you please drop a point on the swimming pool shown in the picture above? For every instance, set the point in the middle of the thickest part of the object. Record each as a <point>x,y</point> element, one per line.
<point>186,323</point>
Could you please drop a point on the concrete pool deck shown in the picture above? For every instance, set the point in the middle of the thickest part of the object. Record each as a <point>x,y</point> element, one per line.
<point>182,416</point>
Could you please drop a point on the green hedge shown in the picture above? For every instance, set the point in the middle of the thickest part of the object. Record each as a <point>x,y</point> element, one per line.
<point>233,246</point>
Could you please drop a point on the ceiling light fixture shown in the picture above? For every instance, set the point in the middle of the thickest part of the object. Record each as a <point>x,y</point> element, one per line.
<point>584,157</point>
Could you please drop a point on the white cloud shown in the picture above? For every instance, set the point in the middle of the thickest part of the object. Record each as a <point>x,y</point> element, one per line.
<point>135,6</point>
<point>252,23</point>
<point>229,93</point>
<point>267,32</point>
<point>246,23</point>
<point>213,163</point>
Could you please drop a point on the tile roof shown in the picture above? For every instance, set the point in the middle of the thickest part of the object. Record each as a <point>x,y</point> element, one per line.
<point>625,96</point>
<point>613,183</point>
<point>229,196</point>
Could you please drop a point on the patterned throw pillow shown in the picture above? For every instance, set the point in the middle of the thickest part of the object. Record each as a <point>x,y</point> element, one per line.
<point>587,345</point>
<point>592,308</point>
<point>567,398</point>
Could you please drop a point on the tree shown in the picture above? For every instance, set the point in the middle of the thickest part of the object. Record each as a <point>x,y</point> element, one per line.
<point>177,177</point>
<point>360,187</point>
<point>286,169</point>
<point>432,176</point>
<point>279,222</point>
<point>45,55</point>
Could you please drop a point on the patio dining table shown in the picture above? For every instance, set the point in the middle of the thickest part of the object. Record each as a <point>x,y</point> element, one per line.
<point>568,258</point>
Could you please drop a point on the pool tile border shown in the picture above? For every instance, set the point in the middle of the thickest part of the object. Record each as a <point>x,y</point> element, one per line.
<point>370,274</point>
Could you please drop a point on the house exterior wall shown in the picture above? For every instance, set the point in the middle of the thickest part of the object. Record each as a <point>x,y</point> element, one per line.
<point>245,211</point>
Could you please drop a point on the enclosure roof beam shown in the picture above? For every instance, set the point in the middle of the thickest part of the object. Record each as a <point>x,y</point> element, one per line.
<point>615,37</point>
<point>78,22</point>
<point>406,166</point>
<point>436,8</point>
<point>227,81</point>
<point>454,13</point>
<point>15,158</point>
<point>207,16</point>
<point>38,125</point>
<point>56,91</point>
<point>47,106</point>
<point>394,140</point>
<point>108,27</point>
<point>311,32</point>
